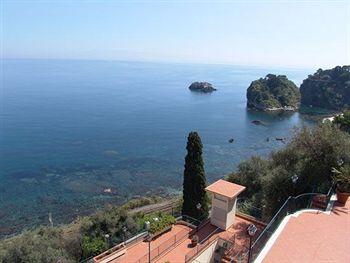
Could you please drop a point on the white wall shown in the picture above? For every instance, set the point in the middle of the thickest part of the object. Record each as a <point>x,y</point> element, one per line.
<point>206,256</point>
<point>223,211</point>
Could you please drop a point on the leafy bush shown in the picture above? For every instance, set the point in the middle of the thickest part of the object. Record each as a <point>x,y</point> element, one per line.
<point>92,246</point>
<point>42,245</point>
<point>342,177</point>
<point>112,221</point>
<point>71,243</point>
<point>343,121</point>
<point>158,221</point>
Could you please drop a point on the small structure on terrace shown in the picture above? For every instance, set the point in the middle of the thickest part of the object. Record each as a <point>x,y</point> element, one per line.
<point>221,238</point>
<point>224,202</point>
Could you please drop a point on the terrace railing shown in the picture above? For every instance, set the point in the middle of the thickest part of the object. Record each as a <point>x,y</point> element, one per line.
<point>163,247</point>
<point>290,206</point>
<point>201,246</point>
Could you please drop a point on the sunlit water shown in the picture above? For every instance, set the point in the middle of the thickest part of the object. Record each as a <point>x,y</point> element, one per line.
<point>72,129</point>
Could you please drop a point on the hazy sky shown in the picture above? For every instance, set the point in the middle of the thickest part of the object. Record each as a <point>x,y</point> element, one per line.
<point>278,33</point>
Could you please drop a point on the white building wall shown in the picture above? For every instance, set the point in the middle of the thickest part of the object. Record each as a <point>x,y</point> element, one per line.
<point>223,211</point>
<point>207,256</point>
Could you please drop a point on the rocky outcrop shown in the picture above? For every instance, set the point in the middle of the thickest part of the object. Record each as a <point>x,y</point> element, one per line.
<point>273,93</point>
<point>327,89</point>
<point>204,87</point>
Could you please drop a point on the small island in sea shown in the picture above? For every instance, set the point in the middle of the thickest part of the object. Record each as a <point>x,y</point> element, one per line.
<point>273,93</point>
<point>204,87</point>
<point>327,89</point>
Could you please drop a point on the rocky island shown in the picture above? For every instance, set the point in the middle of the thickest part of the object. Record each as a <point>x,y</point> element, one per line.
<point>204,87</point>
<point>273,93</point>
<point>327,89</point>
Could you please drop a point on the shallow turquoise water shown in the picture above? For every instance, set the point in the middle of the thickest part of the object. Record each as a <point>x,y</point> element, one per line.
<point>71,129</point>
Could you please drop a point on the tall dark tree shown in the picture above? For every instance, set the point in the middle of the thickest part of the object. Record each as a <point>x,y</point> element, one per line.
<point>195,201</point>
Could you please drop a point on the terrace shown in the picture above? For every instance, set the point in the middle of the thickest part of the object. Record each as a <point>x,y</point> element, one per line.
<point>311,236</point>
<point>305,229</point>
<point>221,237</point>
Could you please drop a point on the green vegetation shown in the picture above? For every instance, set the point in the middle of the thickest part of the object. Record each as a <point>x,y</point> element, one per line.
<point>342,177</point>
<point>194,180</point>
<point>92,246</point>
<point>142,201</point>
<point>329,89</point>
<point>158,221</point>
<point>85,237</point>
<point>272,93</point>
<point>343,121</point>
<point>311,155</point>
<point>41,245</point>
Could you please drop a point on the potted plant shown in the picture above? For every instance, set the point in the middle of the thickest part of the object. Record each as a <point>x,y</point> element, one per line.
<point>342,179</point>
<point>194,240</point>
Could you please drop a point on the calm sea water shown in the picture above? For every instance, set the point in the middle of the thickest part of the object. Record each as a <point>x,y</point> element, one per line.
<point>72,129</point>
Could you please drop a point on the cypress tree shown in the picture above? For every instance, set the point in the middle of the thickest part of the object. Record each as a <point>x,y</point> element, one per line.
<point>194,180</point>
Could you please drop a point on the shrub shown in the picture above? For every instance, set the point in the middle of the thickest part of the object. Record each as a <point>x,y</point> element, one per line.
<point>342,177</point>
<point>42,245</point>
<point>92,246</point>
<point>158,221</point>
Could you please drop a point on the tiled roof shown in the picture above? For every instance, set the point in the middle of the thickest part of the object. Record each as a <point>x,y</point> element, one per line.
<point>314,236</point>
<point>225,188</point>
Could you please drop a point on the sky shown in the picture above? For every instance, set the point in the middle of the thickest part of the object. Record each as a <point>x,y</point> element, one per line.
<point>295,33</point>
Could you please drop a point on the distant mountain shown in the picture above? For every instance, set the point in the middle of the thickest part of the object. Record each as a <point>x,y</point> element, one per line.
<point>204,87</point>
<point>273,93</point>
<point>328,89</point>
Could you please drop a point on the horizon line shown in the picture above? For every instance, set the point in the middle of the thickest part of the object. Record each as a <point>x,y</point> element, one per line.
<point>155,61</point>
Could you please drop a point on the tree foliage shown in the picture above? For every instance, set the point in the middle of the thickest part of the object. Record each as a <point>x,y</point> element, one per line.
<point>81,239</point>
<point>158,221</point>
<point>273,92</point>
<point>343,121</point>
<point>311,155</point>
<point>329,89</point>
<point>42,245</point>
<point>194,180</point>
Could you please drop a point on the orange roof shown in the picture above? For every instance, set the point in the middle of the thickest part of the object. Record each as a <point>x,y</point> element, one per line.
<point>225,188</point>
<point>314,236</point>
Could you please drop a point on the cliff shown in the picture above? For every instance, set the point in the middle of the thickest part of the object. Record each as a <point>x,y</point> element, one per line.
<point>328,89</point>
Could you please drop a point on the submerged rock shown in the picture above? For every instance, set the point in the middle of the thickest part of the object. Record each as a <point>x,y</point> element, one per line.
<point>257,122</point>
<point>110,153</point>
<point>204,87</point>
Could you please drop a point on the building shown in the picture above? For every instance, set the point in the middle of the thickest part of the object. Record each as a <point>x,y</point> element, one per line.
<point>311,235</point>
<point>220,238</point>
<point>310,227</point>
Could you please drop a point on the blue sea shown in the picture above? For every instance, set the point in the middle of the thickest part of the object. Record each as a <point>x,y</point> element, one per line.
<point>77,134</point>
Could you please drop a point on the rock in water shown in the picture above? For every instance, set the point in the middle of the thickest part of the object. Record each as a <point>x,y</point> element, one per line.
<point>204,87</point>
<point>273,93</point>
<point>257,122</point>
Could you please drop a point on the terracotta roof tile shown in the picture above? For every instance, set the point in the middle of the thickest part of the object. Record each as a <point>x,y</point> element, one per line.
<point>225,188</point>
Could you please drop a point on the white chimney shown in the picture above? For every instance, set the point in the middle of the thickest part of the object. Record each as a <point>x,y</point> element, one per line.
<point>223,202</point>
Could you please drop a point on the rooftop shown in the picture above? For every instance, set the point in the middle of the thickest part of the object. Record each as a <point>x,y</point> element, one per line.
<point>225,188</point>
<point>312,236</point>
